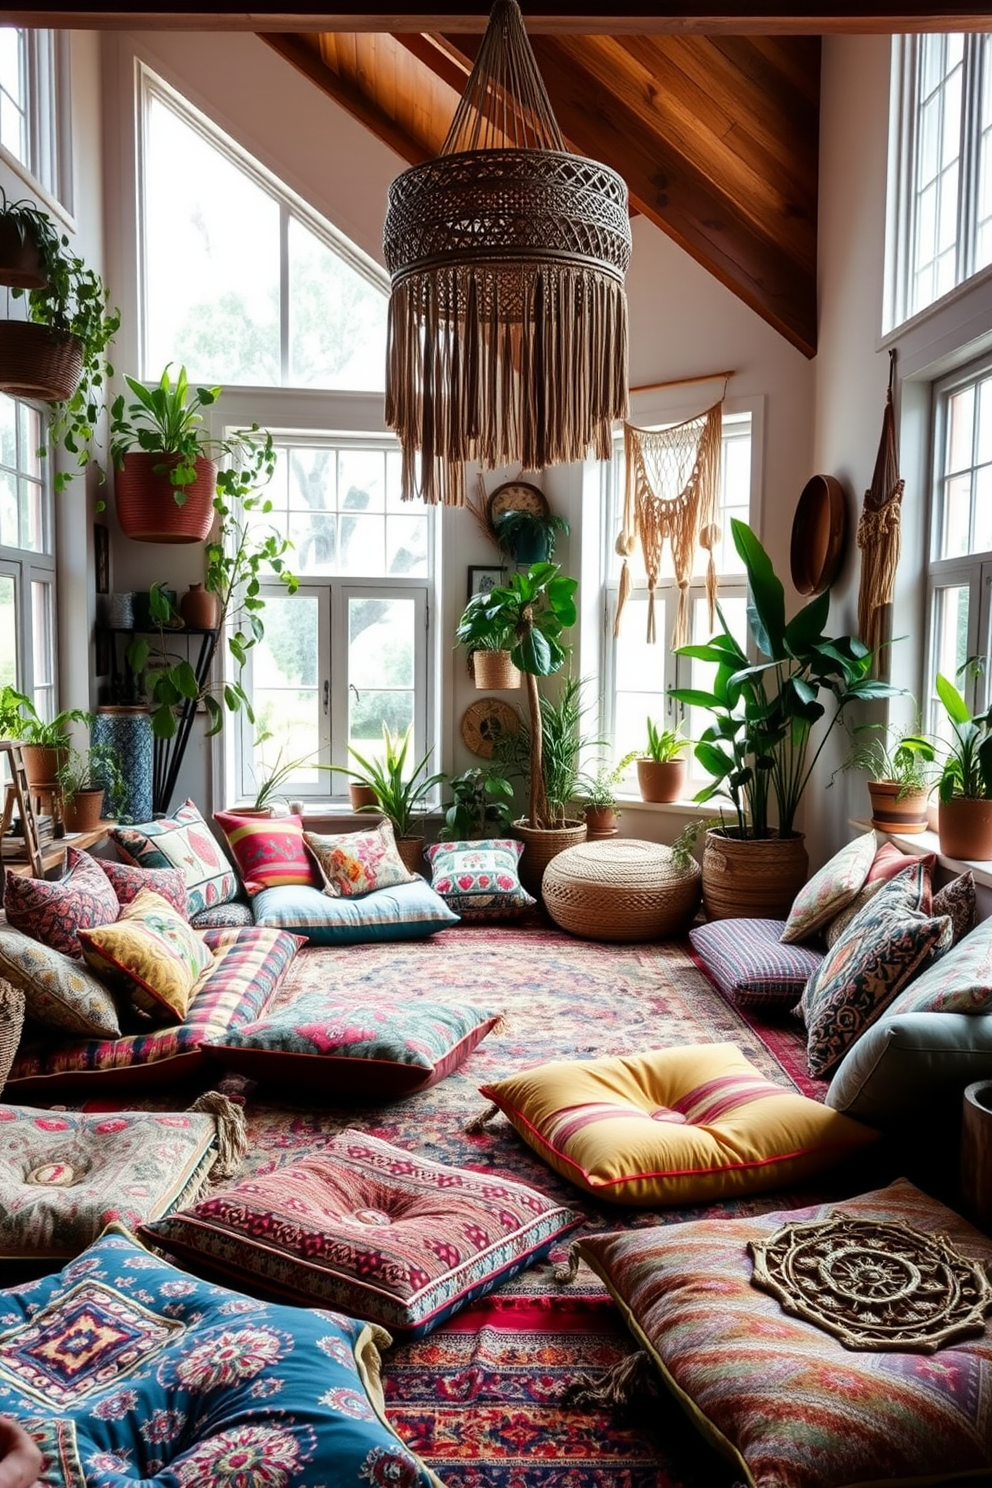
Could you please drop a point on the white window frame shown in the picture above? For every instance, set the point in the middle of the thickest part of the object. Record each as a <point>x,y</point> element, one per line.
<point>27,566</point>
<point>46,162</point>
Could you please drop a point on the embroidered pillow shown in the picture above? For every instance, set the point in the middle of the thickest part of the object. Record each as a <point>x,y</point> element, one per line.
<point>382,1233</point>
<point>750,965</point>
<point>830,890</point>
<point>889,943</point>
<point>268,850</point>
<point>182,841</point>
<point>126,880</point>
<point>480,880</point>
<point>52,910</point>
<point>355,863</point>
<point>151,955</point>
<point>960,982</point>
<point>333,1046</point>
<point>673,1126</point>
<point>58,990</point>
<point>888,861</point>
<point>958,899</point>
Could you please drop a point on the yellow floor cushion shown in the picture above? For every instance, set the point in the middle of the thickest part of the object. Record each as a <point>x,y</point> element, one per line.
<point>672,1126</point>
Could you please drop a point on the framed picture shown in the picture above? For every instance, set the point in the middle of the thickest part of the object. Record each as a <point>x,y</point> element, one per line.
<point>483,577</point>
<point>101,558</point>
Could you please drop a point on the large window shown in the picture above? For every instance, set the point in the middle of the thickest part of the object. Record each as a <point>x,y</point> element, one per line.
<point>639,673</point>
<point>942,207</point>
<point>34,106</point>
<point>27,559</point>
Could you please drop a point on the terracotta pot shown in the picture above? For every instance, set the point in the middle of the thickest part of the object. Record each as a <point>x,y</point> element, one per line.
<point>198,608</point>
<point>891,812</point>
<point>541,844</point>
<point>601,821</point>
<point>494,671</point>
<point>255,811</point>
<point>661,780</point>
<point>34,363</point>
<point>752,878</point>
<point>964,827</point>
<point>146,505</point>
<point>411,851</point>
<point>42,763</point>
<point>84,812</point>
<point>361,795</point>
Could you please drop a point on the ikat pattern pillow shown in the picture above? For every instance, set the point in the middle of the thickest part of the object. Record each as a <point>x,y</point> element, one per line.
<point>889,943</point>
<point>379,1232</point>
<point>126,881</point>
<point>59,991</point>
<point>151,955</point>
<point>480,880</point>
<point>268,850</point>
<point>958,899</point>
<point>52,910</point>
<point>183,841</point>
<point>187,1383</point>
<point>355,863</point>
<point>830,890</point>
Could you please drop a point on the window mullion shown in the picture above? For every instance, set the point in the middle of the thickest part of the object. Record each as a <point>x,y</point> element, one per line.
<point>284,293</point>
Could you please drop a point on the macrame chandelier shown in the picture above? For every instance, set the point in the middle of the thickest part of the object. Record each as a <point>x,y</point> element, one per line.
<point>507,317</point>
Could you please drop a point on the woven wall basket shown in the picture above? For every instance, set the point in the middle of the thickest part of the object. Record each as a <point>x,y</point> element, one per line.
<point>34,363</point>
<point>752,878</point>
<point>494,671</point>
<point>146,505</point>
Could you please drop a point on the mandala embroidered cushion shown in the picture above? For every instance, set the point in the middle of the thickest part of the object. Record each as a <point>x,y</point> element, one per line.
<point>52,910</point>
<point>190,1384</point>
<point>126,881</point>
<point>59,991</point>
<point>64,1175</point>
<point>355,863</point>
<point>480,880</point>
<point>672,1126</point>
<point>183,841</point>
<point>782,1398</point>
<point>889,943</point>
<point>268,850</point>
<point>152,955</point>
<point>749,963</point>
<point>830,890</point>
<point>363,1226</point>
<point>335,1046</point>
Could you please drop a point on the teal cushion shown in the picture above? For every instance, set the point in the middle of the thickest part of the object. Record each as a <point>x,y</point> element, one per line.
<point>405,912</point>
<point>906,1064</point>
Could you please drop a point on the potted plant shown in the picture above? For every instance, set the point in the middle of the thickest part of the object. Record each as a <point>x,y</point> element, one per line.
<point>480,805</point>
<point>758,747</point>
<point>527,537</point>
<point>166,463</point>
<point>58,354</point>
<point>899,766</point>
<point>661,769</point>
<point>597,792</point>
<point>401,791</point>
<point>84,778</point>
<point>964,813</point>
<point>45,741</point>
<point>492,665</point>
<point>268,779</point>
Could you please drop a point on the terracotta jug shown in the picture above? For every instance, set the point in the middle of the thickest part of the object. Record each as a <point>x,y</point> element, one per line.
<point>198,607</point>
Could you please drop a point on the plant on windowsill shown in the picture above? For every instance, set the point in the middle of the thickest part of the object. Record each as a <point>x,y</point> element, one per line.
<point>597,793</point>
<point>661,768</point>
<point>84,778</point>
<point>964,813</point>
<point>58,354</point>
<point>899,763</point>
<point>269,778</point>
<point>167,476</point>
<point>401,790</point>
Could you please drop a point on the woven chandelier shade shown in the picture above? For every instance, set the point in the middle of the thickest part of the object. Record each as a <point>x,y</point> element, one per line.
<point>507,316</point>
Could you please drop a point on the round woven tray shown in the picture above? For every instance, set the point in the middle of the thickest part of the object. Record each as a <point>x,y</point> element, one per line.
<point>622,889</point>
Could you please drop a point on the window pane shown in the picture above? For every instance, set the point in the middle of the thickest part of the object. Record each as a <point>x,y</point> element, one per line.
<point>406,545</point>
<point>285,689</point>
<point>957,517</point>
<point>337,318</point>
<point>701,673</point>
<point>381,674</point>
<point>8,631</point>
<point>640,675</point>
<point>43,647</point>
<point>13,101</point>
<point>950,645</point>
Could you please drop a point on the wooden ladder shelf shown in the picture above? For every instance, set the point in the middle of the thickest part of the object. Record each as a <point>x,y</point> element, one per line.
<point>19,790</point>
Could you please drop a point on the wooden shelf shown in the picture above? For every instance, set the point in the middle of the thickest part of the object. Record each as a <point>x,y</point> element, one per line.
<point>53,853</point>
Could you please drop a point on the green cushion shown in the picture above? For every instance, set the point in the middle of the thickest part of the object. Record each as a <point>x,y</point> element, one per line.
<point>907,1064</point>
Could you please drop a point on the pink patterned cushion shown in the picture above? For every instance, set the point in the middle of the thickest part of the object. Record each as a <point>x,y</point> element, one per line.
<point>789,1404</point>
<point>268,850</point>
<point>52,911</point>
<point>368,1228</point>
<point>830,890</point>
<point>355,863</point>
<point>127,880</point>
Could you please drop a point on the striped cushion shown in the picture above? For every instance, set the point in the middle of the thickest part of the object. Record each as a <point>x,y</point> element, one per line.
<point>672,1126</point>
<point>269,850</point>
<point>749,963</point>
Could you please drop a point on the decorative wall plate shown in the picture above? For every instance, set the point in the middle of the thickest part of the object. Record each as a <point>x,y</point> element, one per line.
<point>517,496</point>
<point>485,721</point>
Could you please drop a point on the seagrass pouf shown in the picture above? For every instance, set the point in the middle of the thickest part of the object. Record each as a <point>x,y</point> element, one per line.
<point>623,890</point>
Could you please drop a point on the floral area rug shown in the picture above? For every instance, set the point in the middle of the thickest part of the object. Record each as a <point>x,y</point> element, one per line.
<point>480,1397</point>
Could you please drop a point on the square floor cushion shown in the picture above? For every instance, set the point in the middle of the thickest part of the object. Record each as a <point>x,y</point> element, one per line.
<point>158,1378</point>
<point>781,1397</point>
<point>65,1175</point>
<point>369,1228</point>
<point>672,1126</point>
<point>751,965</point>
<point>407,911</point>
<point>151,956</point>
<point>53,910</point>
<point>325,1046</point>
<point>480,880</point>
<point>182,841</point>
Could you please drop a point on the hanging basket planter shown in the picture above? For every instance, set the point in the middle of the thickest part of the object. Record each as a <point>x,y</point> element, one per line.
<point>35,363</point>
<point>494,671</point>
<point>146,503</point>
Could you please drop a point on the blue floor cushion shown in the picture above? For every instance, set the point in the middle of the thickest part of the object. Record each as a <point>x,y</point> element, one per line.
<point>407,911</point>
<point>158,1378</point>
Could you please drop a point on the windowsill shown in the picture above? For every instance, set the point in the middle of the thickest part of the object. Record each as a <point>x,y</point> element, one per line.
<point>914,842</point>
<point>677,808</point>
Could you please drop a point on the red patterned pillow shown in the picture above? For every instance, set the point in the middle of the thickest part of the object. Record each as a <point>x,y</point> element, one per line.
<point>52,910</point>
<point>127,880</point>
<point>269,850</point>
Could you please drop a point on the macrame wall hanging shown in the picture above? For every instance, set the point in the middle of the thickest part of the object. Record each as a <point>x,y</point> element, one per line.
<point>671,494</point>
<point>879,529</point>
<point>507,337</point>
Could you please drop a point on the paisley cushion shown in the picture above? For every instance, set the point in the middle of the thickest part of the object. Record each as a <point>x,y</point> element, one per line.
<point>268,850</point>
<point>355,863</point>
<point>126,880</point>
<point>182,841</point>
<point>52,910</point>
<point>364,1226</point>
<point>959,982</point>
<point>188,1383</point>
<point>830,890</point>
<point>151,955</point>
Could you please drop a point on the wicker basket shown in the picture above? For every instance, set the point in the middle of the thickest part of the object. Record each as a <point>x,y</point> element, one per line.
<point>623,890</point>
<point>494,671</point>
<point>35,363</point>
<point>146,504</point>
<point>752,878</point>
<point>541,844</point>
<point>11,1022</point>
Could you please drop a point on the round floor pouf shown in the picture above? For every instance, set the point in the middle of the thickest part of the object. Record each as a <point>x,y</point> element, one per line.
<point>621,890</point>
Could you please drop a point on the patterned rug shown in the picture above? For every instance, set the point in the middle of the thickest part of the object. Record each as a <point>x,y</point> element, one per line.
<point>480,1397</point>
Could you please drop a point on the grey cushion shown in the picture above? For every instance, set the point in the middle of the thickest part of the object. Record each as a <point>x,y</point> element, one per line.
<point>909,1064</point>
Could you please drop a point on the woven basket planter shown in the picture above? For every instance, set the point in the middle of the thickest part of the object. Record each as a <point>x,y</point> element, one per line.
<point>11,1022</point>
<point>891,812</point>
<point>494,671</point>
<point>34,363</point>
<point>19,261</point>
<point>623,890</point>
<point>541,844</point>
<point>752,878</point>
<point>411,851</point>
<point>146,504</point>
